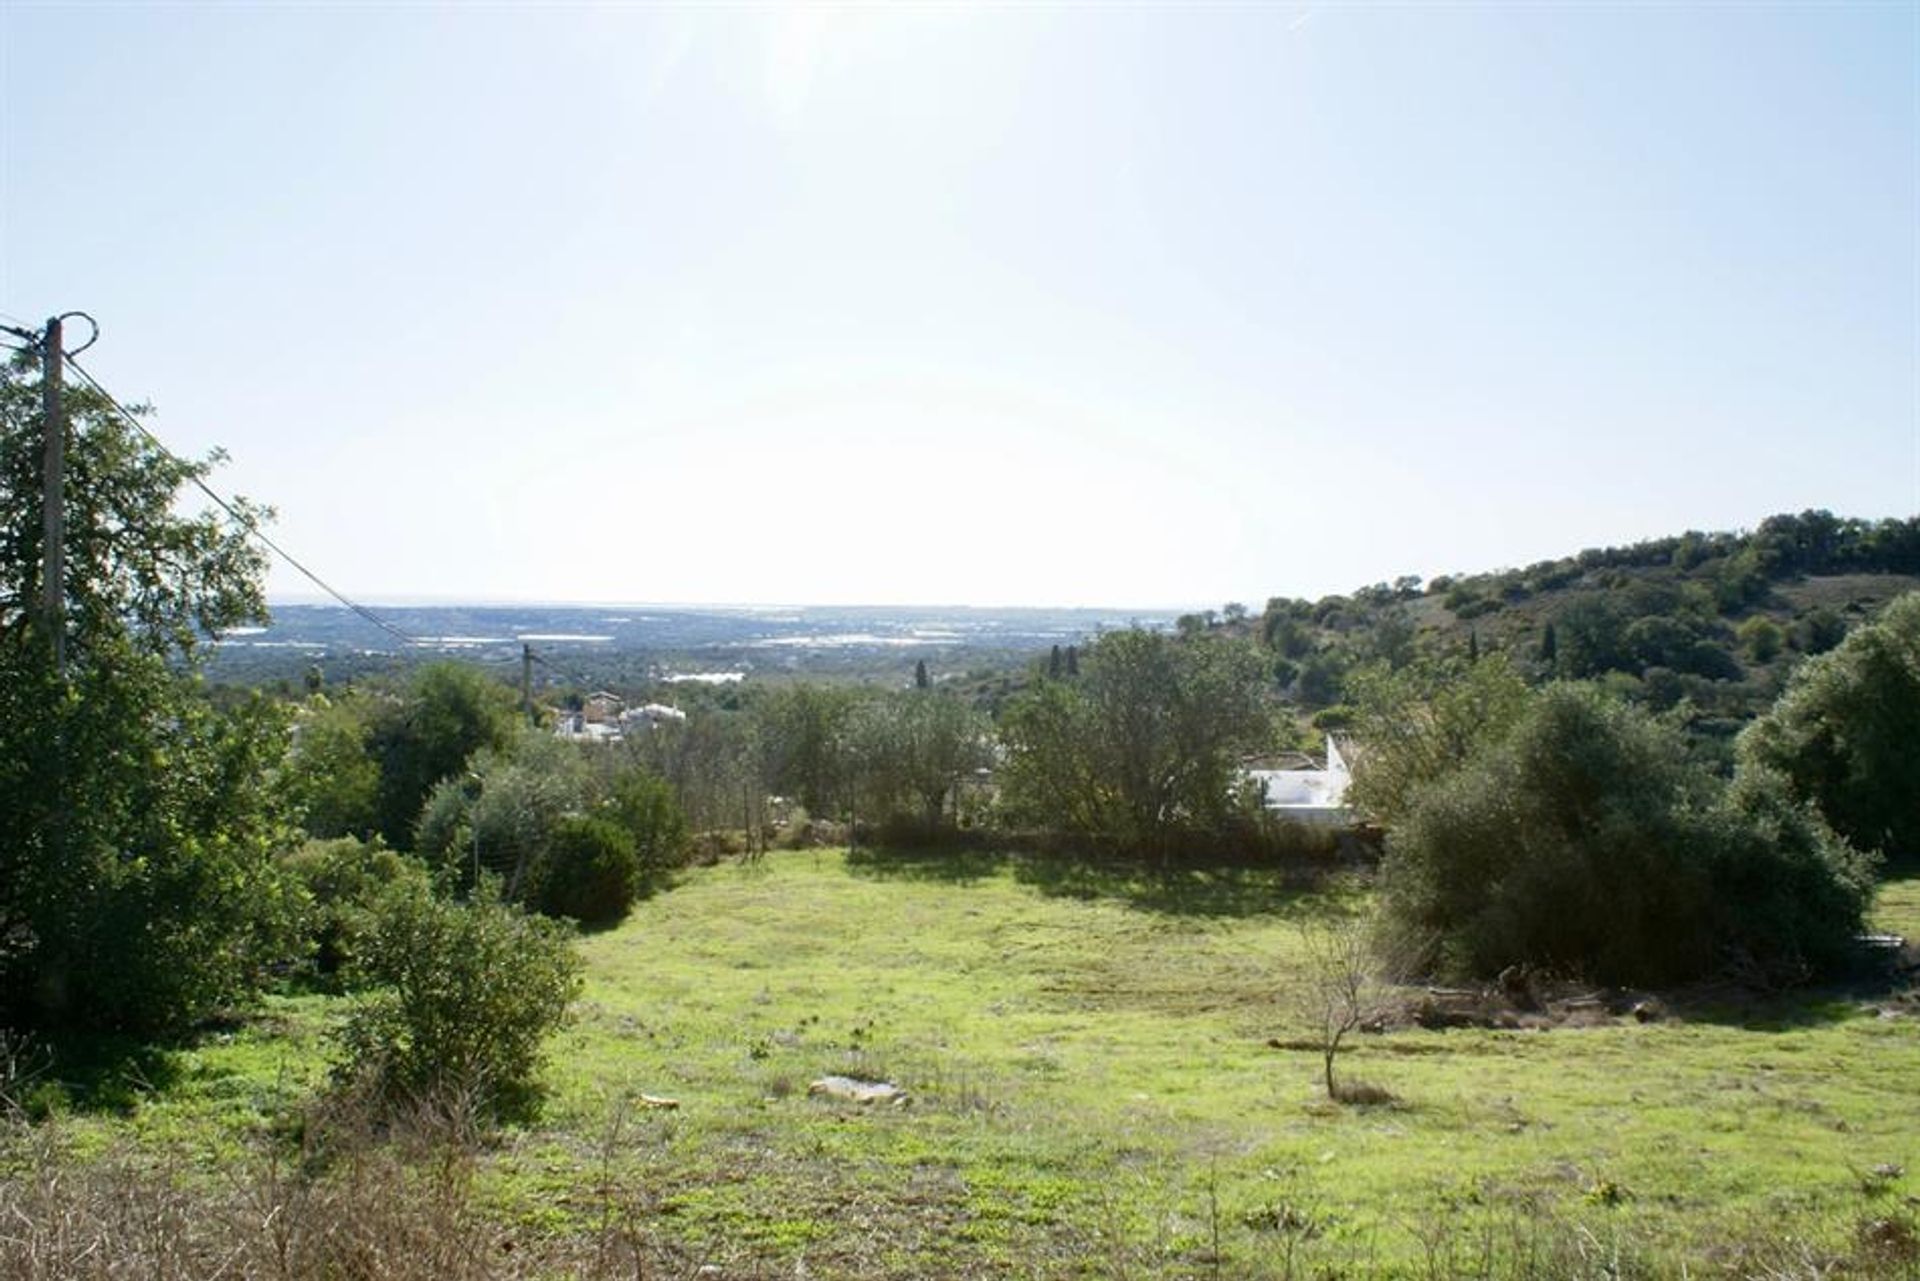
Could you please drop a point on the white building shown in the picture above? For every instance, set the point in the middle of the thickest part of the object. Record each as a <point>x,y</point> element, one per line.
<point>1316,797</point>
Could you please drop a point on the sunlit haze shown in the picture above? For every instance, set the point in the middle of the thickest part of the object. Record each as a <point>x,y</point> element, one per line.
<point>1117,306</point>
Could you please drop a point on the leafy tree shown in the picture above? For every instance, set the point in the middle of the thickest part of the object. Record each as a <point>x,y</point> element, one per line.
<point>1145,744</point>
<point>332,780</point>
<point>1762,638</point>
<point>1321,678</point>
<point>138,821</point>
<point>1844,733</point>
<point>1818,631</point>
<point>345,881</point>
<point>505,814</point>
<point>912,749</point>
<point>448,712</point>
<point>1390,640</point>
<point>1592,638</point>
<point>802,731</point>
<point>920,680</point>
<point>642,804</point>
<point>1421,723</point>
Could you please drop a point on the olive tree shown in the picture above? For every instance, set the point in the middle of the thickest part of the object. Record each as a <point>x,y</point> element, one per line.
<point>1844,733</point>
<point>911,749</point>
<point>1144,743</point>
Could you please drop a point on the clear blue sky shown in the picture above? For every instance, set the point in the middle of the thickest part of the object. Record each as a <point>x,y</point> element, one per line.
<point>1123,305</point>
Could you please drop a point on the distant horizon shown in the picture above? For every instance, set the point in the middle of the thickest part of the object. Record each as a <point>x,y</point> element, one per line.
<point>443,602</point>
<point>1254,603</point>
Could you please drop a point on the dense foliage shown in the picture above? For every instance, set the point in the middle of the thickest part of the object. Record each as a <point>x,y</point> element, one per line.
<point>138,821</point>
<point>1846,734</point>
<point>1143,745</point>
<point>448,712</point>
<point>343,883</point>
<point>1420,723</point>
<point>1587,840</point>
<point>589,872</point>
<point>911,751</point>
<point>465,995</point>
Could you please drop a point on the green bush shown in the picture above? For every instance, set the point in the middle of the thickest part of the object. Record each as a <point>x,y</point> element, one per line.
<point>642,804</point>
<point>508,826</point>
<point>589,872</point>
<point>1587,841</point>
<point>467,993</point>
<point>1843,735</point>
<point>344,883</point>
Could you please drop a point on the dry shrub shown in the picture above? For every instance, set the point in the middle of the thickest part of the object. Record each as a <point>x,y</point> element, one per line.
<point>368,1195</point>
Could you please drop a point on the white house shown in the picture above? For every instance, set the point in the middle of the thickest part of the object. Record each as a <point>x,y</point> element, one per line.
<point>651,716</point>
<point>1313,796</point>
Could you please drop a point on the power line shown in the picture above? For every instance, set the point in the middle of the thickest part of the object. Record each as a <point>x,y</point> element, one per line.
<point>239,515</point>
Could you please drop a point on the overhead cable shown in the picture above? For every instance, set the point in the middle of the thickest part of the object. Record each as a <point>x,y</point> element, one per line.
<point>239,514</point>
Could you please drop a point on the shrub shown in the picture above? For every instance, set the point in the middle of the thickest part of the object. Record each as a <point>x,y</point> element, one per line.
<point>1843,733</point>
<point>468,991</point>
<point>1762,638</point>
<point>643,805</point>
<point>590,872</point>
<point>1587,841</point>
<point>1789,897</point>
<point>344,882</point>
<point>508,826</point>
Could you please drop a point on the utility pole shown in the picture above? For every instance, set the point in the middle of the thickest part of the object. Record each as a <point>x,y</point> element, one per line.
<point>53,573</point>
<point>526,681</point>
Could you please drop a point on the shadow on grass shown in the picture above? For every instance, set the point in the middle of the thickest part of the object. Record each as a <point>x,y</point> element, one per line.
<point>1177,888</point>
<point>1181,888</point>
<point>1874,987</point>
<point>955,866</point>
<point>94,1072</point>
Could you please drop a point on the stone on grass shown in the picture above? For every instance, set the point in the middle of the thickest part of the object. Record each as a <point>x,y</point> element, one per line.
<point>857,1091</point>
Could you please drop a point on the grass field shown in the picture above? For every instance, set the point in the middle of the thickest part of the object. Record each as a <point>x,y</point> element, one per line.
<point>1093,1092</point>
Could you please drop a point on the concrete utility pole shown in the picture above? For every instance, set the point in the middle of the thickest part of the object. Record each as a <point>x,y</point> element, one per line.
<point>53,572</point>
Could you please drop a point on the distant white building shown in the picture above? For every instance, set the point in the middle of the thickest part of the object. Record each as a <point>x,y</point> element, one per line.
<point>1316,797</point>
<point>650,716</point>
<point>601,722</point>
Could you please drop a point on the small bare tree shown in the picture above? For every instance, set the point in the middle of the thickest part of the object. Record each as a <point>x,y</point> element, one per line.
<point>1346,983</point>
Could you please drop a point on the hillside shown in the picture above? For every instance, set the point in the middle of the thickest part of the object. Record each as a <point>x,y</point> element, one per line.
<point>1715,620</point>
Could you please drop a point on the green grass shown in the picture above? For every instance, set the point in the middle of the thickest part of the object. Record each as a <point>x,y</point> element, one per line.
<point>1093,1093</point>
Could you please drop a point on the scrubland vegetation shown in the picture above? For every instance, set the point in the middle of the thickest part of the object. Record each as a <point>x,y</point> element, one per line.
<point>386,980</point>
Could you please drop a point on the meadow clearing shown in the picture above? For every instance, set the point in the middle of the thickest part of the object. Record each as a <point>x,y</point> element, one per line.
<point>1104,1078</point>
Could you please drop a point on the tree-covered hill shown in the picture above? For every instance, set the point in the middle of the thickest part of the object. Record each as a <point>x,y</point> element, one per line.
<point>1715,620</point>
